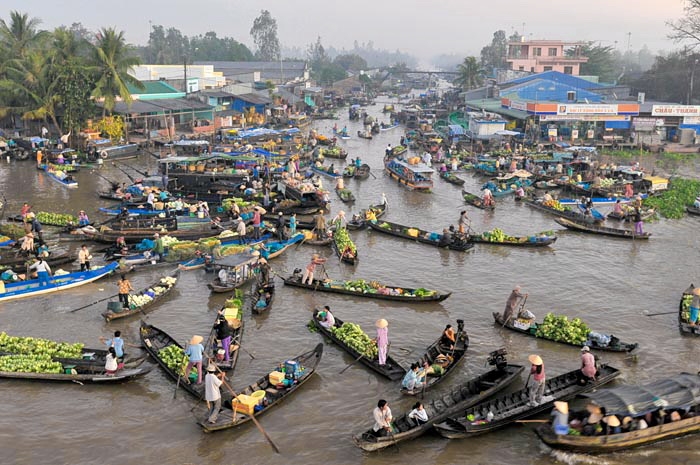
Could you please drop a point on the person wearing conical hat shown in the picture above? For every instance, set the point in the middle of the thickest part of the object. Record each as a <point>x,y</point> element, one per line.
<point>695,307</point>
<point>613,424</point>
<point>195,352</point>
<point>538,380</point>
<point>382,339</point>
<point>560,423</point>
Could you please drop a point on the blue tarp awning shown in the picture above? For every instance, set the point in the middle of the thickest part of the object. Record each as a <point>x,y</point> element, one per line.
<point>456,130</point>
<point>617,124</point>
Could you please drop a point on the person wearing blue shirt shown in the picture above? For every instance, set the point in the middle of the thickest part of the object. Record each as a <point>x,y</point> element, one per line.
<point>195,352</point>
<point>410,381</point>
<point>358,162</point>
<point>117,342</point>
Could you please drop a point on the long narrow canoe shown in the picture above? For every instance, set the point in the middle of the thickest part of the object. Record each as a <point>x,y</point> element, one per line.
<point>274,394</point>
<point>345,195</point>
<point>402,294</point>
<point>459,398</point>
<point>454,352</point>
<point>82,375</point>
<point>378,210</point>
<point>452,178</point>
<point>684,313</point>
<point>67,181</point>
<point>260,292</point>
<point>515,241</point>
<point>131,236</point>
<point>510,407</point>
<point>18,263</point>
<point>592,343</point>
<point>422,236</point>
<point>134,309</point>
<point>274,249</point>
<point>32,287</point>
<point>391,370</point>
<point>324,172</point>
<point>693,210</point>
<point>154,340</point>
<point>602,230</point>
<point>570,214</point>
<point>476,201</point>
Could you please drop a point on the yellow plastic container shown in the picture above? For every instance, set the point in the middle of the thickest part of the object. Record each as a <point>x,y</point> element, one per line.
<point>276,377</point>
<point>259,395</point>
<point>245,404</point>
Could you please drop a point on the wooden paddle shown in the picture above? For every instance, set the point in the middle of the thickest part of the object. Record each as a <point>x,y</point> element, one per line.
<point>662,313</point>
<point>351,364</point>
<point>531,421</point>
<point>252,416</point>
<point>95,302</point>
<point>179,375</point>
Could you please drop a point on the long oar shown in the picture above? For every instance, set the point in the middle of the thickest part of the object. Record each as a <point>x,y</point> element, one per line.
<point>95,302</point>
<point>252,417</point>
<point>351,364</point>
<point>131,178</point>
<point>103,177</point>
<point>142,173</point>
<point>372,174</point>
<point>662,313</point>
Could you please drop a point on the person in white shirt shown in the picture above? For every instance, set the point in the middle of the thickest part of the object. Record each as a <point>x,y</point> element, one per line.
<point>84,258</point>
<point>111,364</point>
<point>212,393</point>
<point>43,271</point>
<point>382,419</point>
<point>151,200</point>
<point>241,230</point>
<point>418,414</point>
<point>326,318</point>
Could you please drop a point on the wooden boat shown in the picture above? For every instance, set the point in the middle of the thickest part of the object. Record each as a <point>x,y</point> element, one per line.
<point>388,128</point>
<point>438,348</point>
<point>693,210</point>
<point>536,240</point>
<point>362,172</point>
<point>274,394</point>
<point>112,195</point>
<point>364,135</point>
<point>615,346</point>
<point>259,292</point>
<point>570,214</point>
<point>240,269</point>
<point>545,184</point>
<point>31,288</point>
<point>510,407</point>
<point>603,230</point>
<point>274,249</point>
<point>345,195</point>
<point>387,293</point>
<point>192,264</point>
<point>452,178</point>
<point>424,237</point>
<point>684,313</point>
<point>18,263</point>
<point>679,391</point>
<point>234,318</point>
<point>64,179</point>
<point>115,310</point>
<point>628,215</point>
<point>349,171</point>
<point>348,255</point>
<point>323,171</point>
<point>154,340</point>
<point>459,398</point>
<point>132,236</point>
<point>132,211</point>
<point>476,201</point>
<point>379,210</point>
<point>334,152</point>
<point>82,375</point>
<point>391,370</point>
<point>413,176</point>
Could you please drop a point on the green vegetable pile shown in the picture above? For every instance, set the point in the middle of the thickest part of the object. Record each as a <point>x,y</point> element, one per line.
<point>422,292</point>
<point>342,241</point>
<point>174,357</point>
<point>498,235</point>
<point>352,335</point>
<point>672,203</point>
<point>560,329</point>
<point>56,219</point>
<point>685,306</point>
<point>228,203</point>
<point>361,285</point>
<point>29,364</point>
<point>331,152</point>
<point>43,347</point>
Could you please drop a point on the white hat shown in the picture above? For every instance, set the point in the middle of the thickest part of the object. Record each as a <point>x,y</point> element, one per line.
<point>211,367</point>
<point>585,349</point>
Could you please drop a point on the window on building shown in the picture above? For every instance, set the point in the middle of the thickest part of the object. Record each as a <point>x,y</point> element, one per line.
<point>547,68</point>
<point>568,70</point>
<point>532,69</point>
<point>552,51</point>
<point>521,68</point>
<point>537,51</point>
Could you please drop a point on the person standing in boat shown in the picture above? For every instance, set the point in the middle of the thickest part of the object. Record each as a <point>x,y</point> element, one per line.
<point>158,247</point>
<point>84,258</point>
<point>195,352</point>
<point>124,288</point>
<point>37,228</point>
<point>293,224</point>
<point>111,364</point>
<point>538,380</point>
<point>151,200</point>
<point>514,299</point>
<point>281,224</point>
<point>43,271</point>
<point>223,334</point>
<point>464,222</point>
<point>488,197</point>
<point>638,222</point>
<point>382,419</point>
<point>264,268</point>
<point>116,343</point>
<point>311,267</point>
<point>382,340</point>
<point>320,225</point>
<point>588,369</point>
<point>212,392</point>
<point>241,231</point>
<point>257,212</point>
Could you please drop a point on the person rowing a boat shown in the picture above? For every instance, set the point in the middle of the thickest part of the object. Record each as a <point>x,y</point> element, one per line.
<point>514,299</point>
<point>311,267</point>
<point>488,197</point>
<point>538,380</point>
<point>382,419</point>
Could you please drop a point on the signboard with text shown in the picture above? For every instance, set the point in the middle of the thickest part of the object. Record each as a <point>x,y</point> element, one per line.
<point>675,110</point>
<point>584,118</point>
<point>586,109</point>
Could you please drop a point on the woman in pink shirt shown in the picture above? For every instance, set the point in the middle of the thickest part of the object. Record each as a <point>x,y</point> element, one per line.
<point>382,339</point>
<point>538,378</point>
<point>588,369</point>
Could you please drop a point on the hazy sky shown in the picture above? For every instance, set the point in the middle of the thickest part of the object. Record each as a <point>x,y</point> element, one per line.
<point>423,28</point>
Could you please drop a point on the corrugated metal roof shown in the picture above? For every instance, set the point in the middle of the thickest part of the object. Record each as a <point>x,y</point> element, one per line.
<point>253,98</point>
<point>556,76</point>
<point>254,65</point>
<point>152,87</point>
<point>160,105</point>
<point>543,90</point>
<point>494,105</point>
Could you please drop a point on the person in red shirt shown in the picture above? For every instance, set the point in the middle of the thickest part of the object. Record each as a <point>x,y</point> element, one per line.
<point>538,379</point>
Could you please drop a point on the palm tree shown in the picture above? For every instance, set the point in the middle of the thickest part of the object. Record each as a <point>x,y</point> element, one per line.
<point>20,35</point>
<point>470,74</point>
<point>112,59</point>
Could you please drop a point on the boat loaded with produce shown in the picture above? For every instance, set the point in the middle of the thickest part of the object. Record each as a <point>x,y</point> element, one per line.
<point>352,339</point>
<point>559,329</point>
<point>371,289</point>
<point>457,242</point>
<point>344,246</point>
<point>498,237</point>
<point>144,300</point>
<point>684,323</point>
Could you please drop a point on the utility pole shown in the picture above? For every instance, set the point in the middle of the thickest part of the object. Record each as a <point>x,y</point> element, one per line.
<point>629,41</point>
<point>185,69</point>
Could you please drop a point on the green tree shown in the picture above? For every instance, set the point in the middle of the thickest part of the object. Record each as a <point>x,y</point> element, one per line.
<point>669,78</point>
<point>470,74</point>
<point>264,32</point>
<point>493,56</point>
<point>601,61</point>
<point>112,60</point>
<point>20,35</point>
<point>350,62</point>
